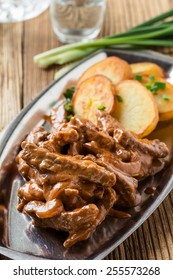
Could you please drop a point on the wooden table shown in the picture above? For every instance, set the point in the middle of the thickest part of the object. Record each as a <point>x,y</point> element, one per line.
<point>21,81</point>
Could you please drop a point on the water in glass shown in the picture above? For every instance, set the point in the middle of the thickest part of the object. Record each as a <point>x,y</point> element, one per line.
<point>77,20</point>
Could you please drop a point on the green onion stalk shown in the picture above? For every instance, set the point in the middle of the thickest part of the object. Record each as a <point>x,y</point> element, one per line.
<point>154,32</point>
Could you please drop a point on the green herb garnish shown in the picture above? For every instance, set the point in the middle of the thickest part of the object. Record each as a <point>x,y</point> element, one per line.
<point>151,78</point>
<point>101,107</point>
<point>69,117</point>
<point>165,97</point>
<point>160,85</point>
<point>138,77</point>
<point>119,98</point>
<point>154,88</point>
<point>68,108</point>
<point>69,92</point>
<point>68,100</point>
<point>148,86</point>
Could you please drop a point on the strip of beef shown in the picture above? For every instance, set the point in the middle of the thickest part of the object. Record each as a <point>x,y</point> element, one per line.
<point>89,132</point>
<point>47,162</point>
<point>66,135</point>
<point>155,148</point>
<point>31,191</point>
<point>104,205</point>
<point>106,122</point>
<point>81,222</point>
<point>23,167</point>
<point>86,190</point>
<point>44,210</point>
<point>42,138</point>
<point>67,193</point>
<point>125,172</point>
<point>51,144</point>
<point>41,179</point>
<point>131,168</point>
<point>73,194</point>
<point>38,135</point>
<point>125,186</point>
<point>150,153</point>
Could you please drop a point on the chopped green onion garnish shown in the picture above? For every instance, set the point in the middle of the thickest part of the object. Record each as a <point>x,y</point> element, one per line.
<point>101,107</point>
<point>154,88</point>
<point>68,108</point>
<point>68,100</point>
<point>69,92</point>
<point>119,98</point>
<point>69,117</point>
<point>165,97</point>
<point>148,86</point>
<point>160,85</point>
<point>151,78</point>
<point>138,77</point>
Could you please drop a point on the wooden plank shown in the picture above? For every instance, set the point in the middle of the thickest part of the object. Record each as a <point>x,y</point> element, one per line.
<point>10,72</point>
<point>38,37</point>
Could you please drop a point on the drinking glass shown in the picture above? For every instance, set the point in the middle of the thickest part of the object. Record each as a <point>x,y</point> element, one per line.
<point>77,20</point>
<point>19,10</point>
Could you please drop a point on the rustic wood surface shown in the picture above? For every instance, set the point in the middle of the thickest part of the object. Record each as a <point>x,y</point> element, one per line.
<point>21,81</point>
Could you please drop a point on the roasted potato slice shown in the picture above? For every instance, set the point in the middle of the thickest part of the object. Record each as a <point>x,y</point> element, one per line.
<point>147,68</point>
<point>97,92</point>
<point>112,67</point>
<point>135,107</point>
<point>164,99</point>
<point>163,96</point>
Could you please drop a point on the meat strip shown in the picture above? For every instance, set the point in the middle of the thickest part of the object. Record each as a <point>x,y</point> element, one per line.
<point>66,135</point>
<point>125,185</point>
<point>47,162</point>
<point>90,132</point>
<point>38,135</point>
<point>106,122</point>
<point>31,191</point>
<point>131,168</point>
<point>155,148</point>
<point>44,210</point>
<point>80,223</point>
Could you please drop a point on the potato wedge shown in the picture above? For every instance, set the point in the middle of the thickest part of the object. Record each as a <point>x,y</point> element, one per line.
<point>112,67</point>
<point>94,92</point>
<point>135,107</point>
<point>147,68</point>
